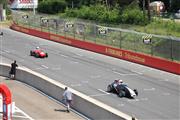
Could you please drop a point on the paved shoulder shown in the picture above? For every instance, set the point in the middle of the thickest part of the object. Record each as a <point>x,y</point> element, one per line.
<point>35,104</point>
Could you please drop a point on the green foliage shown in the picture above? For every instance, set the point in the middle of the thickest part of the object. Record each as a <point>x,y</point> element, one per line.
<point>169,27</point>
<point>52,6</point>
<point>98,12</point>
<point>8,11</point>
<point>161,27</point>
<point>70,12</point>
<point>3,2</point>
<point>133,16</point>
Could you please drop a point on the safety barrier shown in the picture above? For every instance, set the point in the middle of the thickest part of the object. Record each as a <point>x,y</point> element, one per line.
<point>162,64</point>
<point>84,104</point>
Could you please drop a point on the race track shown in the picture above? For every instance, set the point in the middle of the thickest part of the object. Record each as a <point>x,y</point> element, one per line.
<point>90,73</point>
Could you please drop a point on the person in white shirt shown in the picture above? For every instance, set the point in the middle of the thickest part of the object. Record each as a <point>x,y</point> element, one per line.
<point>67,95</point>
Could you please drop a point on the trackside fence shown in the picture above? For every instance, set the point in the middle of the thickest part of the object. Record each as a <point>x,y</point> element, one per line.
<point>154,45</point>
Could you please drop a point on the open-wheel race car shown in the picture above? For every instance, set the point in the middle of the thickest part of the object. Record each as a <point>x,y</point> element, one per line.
<point>121,89</point>
<point>38,53</point>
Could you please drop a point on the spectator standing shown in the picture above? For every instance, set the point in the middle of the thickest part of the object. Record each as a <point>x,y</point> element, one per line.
<point>67,96</point>
<point>12,72</point>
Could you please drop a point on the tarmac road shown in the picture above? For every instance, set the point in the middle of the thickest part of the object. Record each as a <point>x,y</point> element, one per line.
<point>90,73</point>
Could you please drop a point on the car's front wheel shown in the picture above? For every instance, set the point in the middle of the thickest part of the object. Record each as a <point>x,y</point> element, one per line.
<point>36,55</point>
<point>109,88</point>
<point>46,54</point>
<point>136,92</point>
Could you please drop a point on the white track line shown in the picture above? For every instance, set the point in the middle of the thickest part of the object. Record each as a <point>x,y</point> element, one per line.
<point>78,54</point>
<point>27,116</point>
<point>74,62</point>
<point>149,89</point>
<point>18,116</point>
<point>137,72</point>
<point>122,74</point>
<point>75,85</point>
<point>84,81</point>
<point>56,68</point>
<point>103,91</point>
<point>44,66</point>
<point>6,51</point>
<point>39,68</point>
<point>64,56</point>
<point>95,76</point>
<point>102,94</point>
<point>97,95</point>
<point>118,73</point>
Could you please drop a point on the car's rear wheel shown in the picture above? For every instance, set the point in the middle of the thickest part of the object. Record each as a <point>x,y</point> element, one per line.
<point>122,94</point>
<point>109,88</point>
<point>31,53</point>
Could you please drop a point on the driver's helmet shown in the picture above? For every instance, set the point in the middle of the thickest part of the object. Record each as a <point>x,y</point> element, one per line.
<point>120,81</point>
<point>116,81</point>
<point>37,47</point>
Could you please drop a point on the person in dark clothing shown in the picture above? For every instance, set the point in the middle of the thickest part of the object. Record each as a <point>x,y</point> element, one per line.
<point>12,72</point>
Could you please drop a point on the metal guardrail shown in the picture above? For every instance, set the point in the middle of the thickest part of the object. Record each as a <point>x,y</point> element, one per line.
<point>161,46</point>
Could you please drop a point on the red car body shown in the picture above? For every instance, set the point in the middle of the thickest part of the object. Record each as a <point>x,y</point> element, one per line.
<point>38,53</point>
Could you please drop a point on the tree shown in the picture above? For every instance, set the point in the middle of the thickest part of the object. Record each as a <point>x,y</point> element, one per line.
<point>51,6</point>
<point>174,5</point>
<point>4,2</point>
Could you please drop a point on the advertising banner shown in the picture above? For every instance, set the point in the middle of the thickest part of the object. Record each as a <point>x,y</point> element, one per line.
<point>24,4</point>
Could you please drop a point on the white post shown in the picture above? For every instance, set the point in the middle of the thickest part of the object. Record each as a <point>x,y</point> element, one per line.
<point>4,14</point>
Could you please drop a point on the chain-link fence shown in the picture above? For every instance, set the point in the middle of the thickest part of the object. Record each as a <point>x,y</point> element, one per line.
<point>161,46</point>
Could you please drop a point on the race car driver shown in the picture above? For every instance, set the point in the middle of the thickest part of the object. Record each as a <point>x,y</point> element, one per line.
<point>117,82</point>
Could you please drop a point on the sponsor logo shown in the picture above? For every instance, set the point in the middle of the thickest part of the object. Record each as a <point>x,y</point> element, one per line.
<point>24,30</point>
<point>114,52</point>
<point>126,55</point>
<point>134,57</point>
<point>16,28</point>
<point>147,39</point>
<point>102,30</point>
<point>25,1</point>
<point>24,4</point>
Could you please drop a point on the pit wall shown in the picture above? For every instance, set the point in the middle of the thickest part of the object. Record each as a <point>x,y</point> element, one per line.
<point>84,104</point>
<point>158,63</point>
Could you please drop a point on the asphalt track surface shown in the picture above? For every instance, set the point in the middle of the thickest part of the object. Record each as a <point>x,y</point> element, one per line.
<point>90,73</point>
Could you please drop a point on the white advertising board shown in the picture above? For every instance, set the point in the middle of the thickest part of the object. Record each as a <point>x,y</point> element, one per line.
<point>24,4</point>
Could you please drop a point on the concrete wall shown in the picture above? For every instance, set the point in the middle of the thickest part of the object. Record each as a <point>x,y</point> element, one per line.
<point>84,104</point>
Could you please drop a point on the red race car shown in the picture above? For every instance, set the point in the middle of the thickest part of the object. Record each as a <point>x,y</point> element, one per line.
<point>38,53</point>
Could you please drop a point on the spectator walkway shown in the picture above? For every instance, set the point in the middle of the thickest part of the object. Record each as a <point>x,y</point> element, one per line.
<point>33,105</point>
